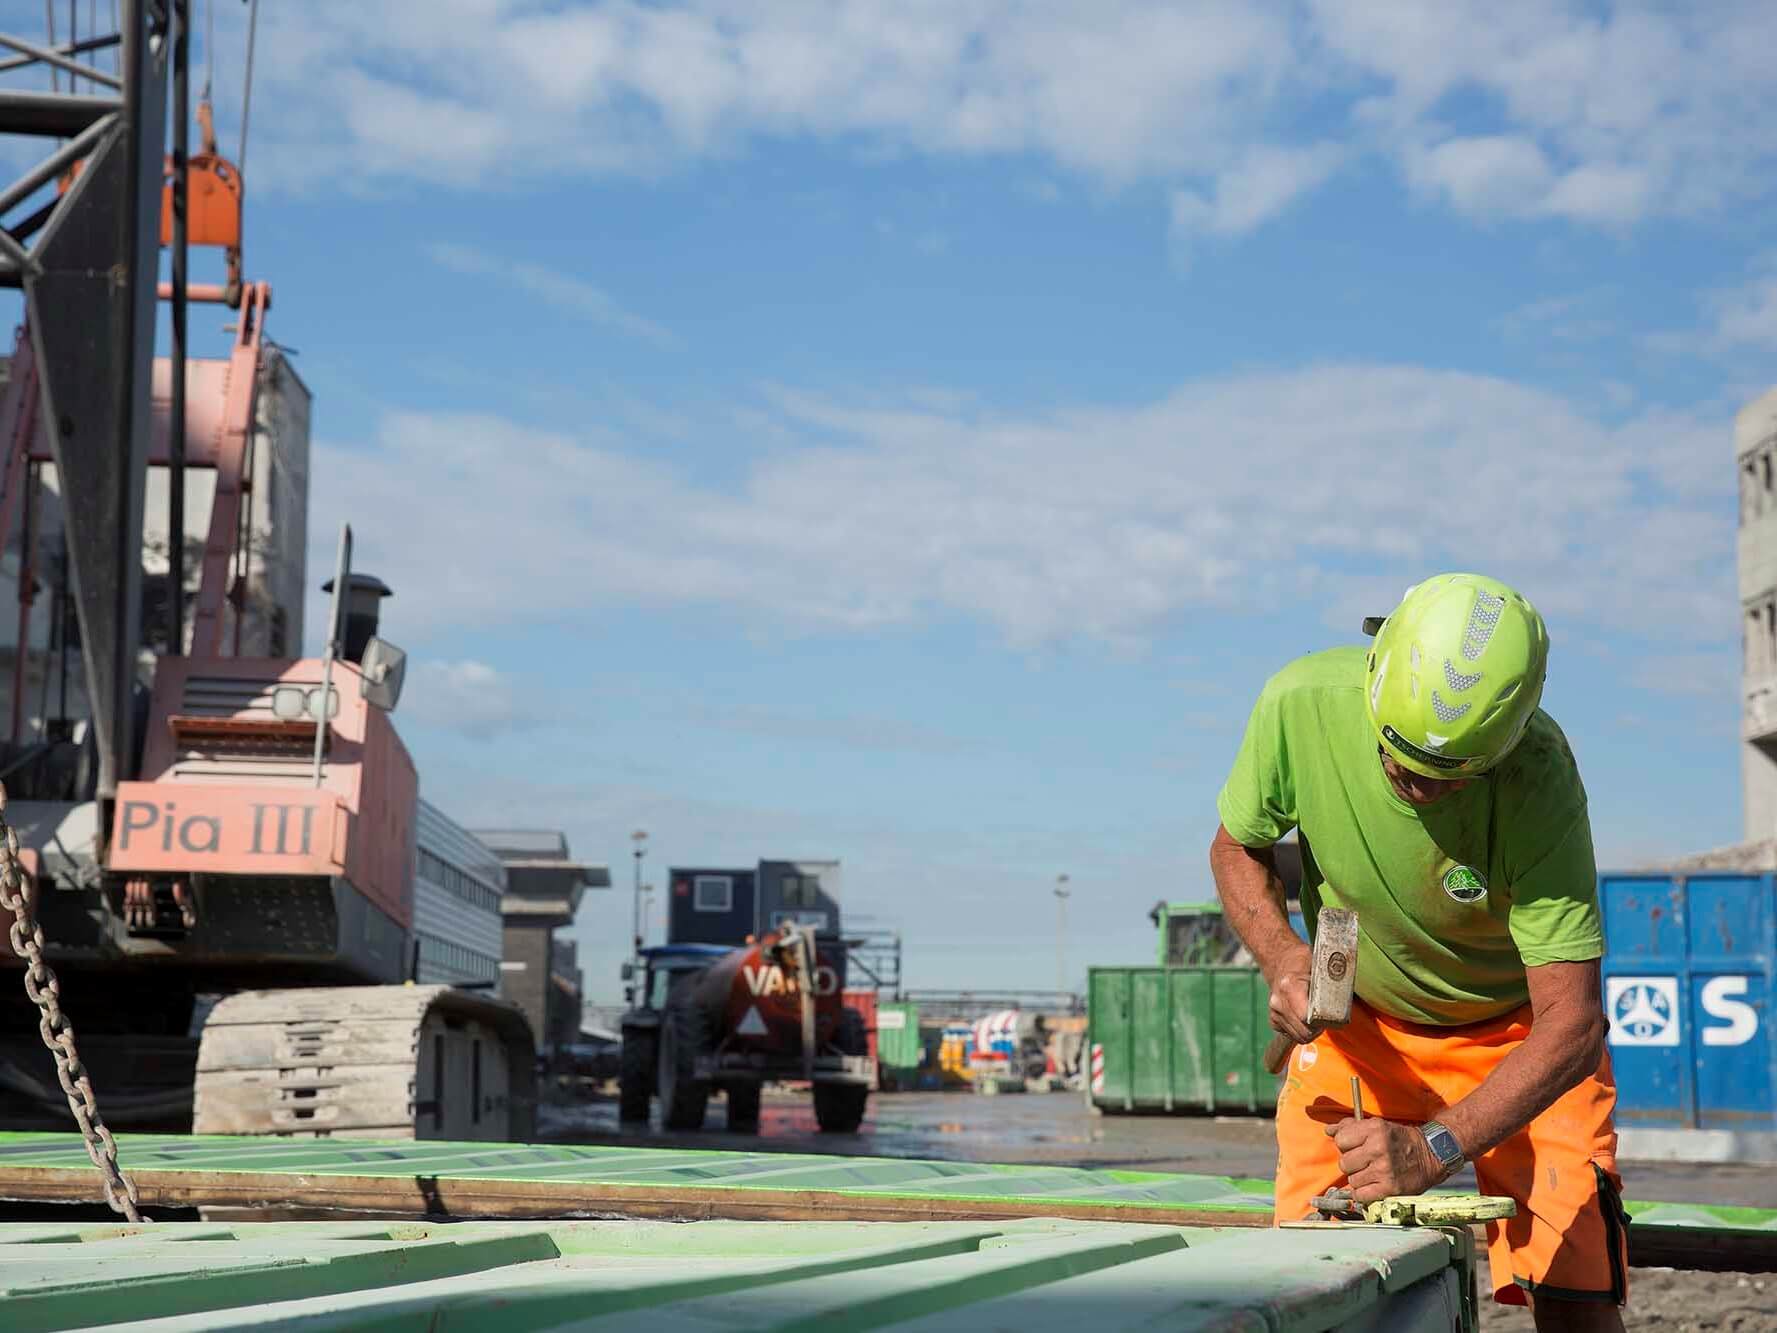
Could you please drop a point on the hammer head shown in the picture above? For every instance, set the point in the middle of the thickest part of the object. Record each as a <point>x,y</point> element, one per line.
<point>1335,968</point>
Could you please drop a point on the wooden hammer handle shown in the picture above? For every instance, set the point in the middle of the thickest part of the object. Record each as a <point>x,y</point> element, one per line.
<point>1277,1054</point>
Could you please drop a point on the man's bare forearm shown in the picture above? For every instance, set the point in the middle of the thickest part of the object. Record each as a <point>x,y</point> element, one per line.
<point>1554,1058</point>
<point>1252,897</point>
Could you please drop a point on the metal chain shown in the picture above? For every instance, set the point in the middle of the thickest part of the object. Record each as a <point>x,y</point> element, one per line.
<point>58,1033</point>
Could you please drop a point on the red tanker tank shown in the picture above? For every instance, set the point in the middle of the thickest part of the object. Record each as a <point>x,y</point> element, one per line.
<point>735,1019</point>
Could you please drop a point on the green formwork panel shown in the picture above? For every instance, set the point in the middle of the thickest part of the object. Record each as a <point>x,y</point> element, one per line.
<point>1180,1039</point>
<point>479,1277</point>
<point>567,1175</point>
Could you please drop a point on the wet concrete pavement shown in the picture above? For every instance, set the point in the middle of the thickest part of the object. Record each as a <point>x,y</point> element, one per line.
<point>1060,1129</point>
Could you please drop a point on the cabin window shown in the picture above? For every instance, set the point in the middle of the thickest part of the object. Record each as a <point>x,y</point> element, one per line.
<point>713,893</point>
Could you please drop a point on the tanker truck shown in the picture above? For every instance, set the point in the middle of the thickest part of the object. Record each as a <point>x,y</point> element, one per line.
<point>712,1018</point>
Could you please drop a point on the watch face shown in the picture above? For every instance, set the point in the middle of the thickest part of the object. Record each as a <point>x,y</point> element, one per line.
<point>1443,1145</point>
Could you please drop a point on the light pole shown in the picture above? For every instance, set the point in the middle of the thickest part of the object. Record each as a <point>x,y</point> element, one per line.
<point>647,912</point>
<point>1061,892</point>
<point>640,839</point>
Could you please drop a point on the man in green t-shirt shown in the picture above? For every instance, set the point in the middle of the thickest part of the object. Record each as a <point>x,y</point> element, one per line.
<point>1433,797</point>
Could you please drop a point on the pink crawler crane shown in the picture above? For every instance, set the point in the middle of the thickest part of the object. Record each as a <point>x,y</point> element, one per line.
<point>223,865</point>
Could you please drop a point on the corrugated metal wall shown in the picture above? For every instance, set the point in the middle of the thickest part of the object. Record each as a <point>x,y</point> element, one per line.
<point>456,903</point>
<point>1689,977</point>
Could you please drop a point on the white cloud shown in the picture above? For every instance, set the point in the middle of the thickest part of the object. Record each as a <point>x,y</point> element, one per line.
<point>1252,191</point>
<point>562,290</point>
<point>1748,316</point>
<point>1600,193</point>
<point>1633,109</point>
<point>468,697</point>
<point>1578,317</point>
<point>1603,115</point>
<point>1484,174</point>
<point>1251,492</point>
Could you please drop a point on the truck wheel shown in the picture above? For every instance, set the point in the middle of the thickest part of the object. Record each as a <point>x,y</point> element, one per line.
<point>635,1079</point>
<point>839,1107</point>
<point>683,1099</point>
<point>743,1107</point>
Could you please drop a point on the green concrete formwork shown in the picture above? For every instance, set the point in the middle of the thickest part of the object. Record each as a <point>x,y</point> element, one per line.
<point>557,1179</point>
<point>477,1277</point>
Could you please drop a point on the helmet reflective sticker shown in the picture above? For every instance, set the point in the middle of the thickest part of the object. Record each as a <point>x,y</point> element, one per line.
<point>1447,712</point>
<point>1482,621</point>
<point>1458,683</point>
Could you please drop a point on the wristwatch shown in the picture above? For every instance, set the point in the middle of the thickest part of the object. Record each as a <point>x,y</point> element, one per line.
<point>1443,1146</point>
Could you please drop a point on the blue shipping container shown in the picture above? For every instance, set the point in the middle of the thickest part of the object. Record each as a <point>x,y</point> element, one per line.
<point>1688,980</point>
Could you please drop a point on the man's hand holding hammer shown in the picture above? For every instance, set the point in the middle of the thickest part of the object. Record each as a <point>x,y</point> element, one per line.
<point>1332,980</point>
<point>1289,996</point>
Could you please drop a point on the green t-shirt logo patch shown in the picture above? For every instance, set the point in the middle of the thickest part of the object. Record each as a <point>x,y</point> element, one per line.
<point>1465,884</point>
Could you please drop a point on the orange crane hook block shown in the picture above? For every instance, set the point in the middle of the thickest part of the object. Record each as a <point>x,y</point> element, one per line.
<point>212,203</point>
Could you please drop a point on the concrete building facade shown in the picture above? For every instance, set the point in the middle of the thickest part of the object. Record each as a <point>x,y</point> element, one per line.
<point>544,884</point>
<point>1755,455</point>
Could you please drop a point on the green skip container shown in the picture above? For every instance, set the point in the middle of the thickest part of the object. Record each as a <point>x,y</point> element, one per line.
<point>898,1050</point>
<point>1179,1039</point>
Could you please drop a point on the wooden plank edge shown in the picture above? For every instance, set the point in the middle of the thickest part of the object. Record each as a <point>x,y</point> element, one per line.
<point>430,1197</point>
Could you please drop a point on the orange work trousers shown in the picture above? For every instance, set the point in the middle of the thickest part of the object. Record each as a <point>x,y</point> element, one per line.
<point>1569,1239</point>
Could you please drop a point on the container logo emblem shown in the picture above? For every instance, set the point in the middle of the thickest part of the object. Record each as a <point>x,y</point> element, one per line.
<point>1465,884</point>
<point>1643,1010</point>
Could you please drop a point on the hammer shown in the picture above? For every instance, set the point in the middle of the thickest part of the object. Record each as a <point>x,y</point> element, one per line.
<point>1330,980</point>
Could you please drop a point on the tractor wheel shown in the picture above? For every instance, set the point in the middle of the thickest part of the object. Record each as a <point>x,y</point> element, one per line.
<point>839,1107</point>
<point>851,1036</point>
<point>635,1077</point>
<point>683,1098</point>
<point>743,1108</point>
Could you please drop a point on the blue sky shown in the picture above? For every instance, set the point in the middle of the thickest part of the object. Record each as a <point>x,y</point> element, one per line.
<point>910,433</point>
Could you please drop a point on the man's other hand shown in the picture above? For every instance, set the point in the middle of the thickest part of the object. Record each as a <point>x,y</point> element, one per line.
<point>1382,1158</point>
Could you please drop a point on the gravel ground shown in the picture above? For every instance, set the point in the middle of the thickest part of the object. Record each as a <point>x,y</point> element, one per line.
<point>1660,1298</point>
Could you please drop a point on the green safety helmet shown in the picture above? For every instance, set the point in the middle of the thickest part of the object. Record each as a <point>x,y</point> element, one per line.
<point>1454,675</point>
